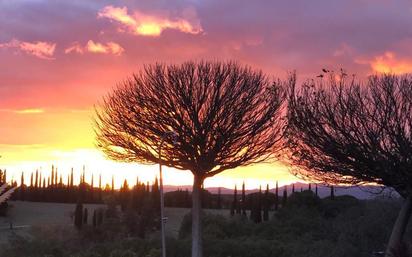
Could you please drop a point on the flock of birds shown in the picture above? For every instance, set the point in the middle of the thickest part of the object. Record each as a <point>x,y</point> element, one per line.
<point>342,73</point>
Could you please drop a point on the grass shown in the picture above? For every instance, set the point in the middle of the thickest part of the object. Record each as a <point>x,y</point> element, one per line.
<point>25,215</point>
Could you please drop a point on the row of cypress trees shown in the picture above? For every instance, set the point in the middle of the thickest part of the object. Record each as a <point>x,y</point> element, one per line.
<point>260,203</point>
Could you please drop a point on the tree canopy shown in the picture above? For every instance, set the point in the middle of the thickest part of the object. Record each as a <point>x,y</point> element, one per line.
<point>343,131</point>
<point>225,115</point>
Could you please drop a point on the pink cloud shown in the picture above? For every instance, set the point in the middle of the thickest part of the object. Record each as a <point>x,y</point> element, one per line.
<point>95,47</point>
<point>144,24</point>
<point>40,49</point>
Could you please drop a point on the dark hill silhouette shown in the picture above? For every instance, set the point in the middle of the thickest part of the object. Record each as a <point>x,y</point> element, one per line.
<point>360,192</point>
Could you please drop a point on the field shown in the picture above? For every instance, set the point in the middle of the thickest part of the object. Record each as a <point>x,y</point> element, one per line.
<point>24,215</point>
<point>306,227</point>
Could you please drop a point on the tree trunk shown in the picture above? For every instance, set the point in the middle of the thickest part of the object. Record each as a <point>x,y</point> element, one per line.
<point>196,218</point>
<point>400,226</point>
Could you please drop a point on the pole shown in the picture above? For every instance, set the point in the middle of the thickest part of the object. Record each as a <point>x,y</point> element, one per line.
<point>162,219</point>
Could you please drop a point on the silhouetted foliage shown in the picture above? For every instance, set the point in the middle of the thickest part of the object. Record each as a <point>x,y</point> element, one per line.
<point>342,131</point>
<point>78,215</point>
<point>266,204</point>
<point>243,203</point>
<point>224,116</point>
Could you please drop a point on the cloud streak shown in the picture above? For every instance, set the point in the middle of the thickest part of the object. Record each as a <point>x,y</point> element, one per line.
<point>40,49</point>
<point>96,47</point>
<point>24,111</point>
<point>144,24</point>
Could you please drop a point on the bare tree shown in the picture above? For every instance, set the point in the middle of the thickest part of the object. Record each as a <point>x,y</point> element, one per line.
<point>341,131</point>
<point>225,115</point>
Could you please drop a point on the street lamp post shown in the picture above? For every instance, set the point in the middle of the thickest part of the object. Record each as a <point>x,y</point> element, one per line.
<point>162,205</point>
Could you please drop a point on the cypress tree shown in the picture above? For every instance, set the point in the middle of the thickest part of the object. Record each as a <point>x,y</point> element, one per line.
<point>44,190</point>
<point>22,187</point>
<point>78,215</point>
<point>310,187</point>
<point>293,188</point>
<point>100,181</point>
<point>233,207</point>
<point>243,199</point>
<point>36,183</point>
<point>112,184</point>
<point>123,195</point>
<point>92,189</point>
<point>219,199</point>
<point>56,177</point>
<point>52,176</point>
<point>285,196</point>
<point>259,209</point>
<point>84,174</point>
<point>100,188</point>
<point>232,210</point>
<point>156,196</point>
<point>332,193</point>
<point>266,204</point>
<point>316,189</point>
<point>237,205</point>
<point>71,179</point>
<point>276,196</point>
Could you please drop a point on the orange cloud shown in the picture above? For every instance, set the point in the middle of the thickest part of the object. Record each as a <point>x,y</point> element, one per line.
<point>95,47</point>
<point>388,63</point>
<point>150,25</point>
<point>40,49</point>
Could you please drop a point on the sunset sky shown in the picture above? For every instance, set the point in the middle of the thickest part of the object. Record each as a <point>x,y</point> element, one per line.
<point>59,58</point>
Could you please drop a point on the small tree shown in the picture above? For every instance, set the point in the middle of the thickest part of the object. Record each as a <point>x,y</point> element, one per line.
<point>285,196</point>
<point>219,198</point>
<point>22,187</point>
<point>266,204</point>
<point>243,199</point>
<point>224,115</point>
<point>276,196</point>
<point>332,193</point>
<point>341,131</point>
<point>78,215</point>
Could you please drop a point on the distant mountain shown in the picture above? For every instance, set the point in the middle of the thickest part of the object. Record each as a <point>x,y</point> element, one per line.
<point>360,192</point>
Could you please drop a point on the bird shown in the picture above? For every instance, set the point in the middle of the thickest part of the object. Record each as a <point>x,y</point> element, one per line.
<point>320,76</point>
<point>325,70</point>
